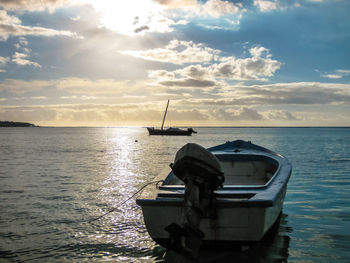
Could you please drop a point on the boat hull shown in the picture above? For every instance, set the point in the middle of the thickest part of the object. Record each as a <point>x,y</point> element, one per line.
<point>176,132</point>
<point>234,223</point>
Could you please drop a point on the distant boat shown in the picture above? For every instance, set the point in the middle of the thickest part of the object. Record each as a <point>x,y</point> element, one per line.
<point>170,131</point>
<point>232,192</point>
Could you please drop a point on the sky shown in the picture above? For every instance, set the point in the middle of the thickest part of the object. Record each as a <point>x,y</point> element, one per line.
<point>221,63</point>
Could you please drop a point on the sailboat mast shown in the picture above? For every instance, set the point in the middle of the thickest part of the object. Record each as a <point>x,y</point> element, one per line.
<point>166,109</point>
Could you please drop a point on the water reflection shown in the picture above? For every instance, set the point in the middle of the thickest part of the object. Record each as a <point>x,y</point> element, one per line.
<point>273,248</point>
<point>121,235</point>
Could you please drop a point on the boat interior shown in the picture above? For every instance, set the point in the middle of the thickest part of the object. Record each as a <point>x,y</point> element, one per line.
<point>241,170</point>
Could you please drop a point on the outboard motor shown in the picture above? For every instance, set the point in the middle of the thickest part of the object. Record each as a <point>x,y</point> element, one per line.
<point>201,172</point>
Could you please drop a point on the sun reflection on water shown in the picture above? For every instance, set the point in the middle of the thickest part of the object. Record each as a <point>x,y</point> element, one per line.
<point>123,229</point>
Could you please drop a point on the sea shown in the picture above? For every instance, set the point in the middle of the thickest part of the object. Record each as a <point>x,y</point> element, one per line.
<point>68,194</point>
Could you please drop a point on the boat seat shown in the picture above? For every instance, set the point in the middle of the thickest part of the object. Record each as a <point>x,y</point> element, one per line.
<point>252,172</point>
<point>242,180</point>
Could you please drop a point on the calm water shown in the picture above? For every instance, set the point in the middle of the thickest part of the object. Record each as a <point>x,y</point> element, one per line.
<point>53,180</point>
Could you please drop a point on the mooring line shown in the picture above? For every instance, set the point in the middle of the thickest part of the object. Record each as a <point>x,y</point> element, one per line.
<point>119,205</point>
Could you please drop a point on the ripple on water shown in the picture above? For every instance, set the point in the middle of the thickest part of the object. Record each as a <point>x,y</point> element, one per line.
<point>54,180</point>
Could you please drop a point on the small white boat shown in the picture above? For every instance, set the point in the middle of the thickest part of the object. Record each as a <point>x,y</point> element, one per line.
<point>230,192</point>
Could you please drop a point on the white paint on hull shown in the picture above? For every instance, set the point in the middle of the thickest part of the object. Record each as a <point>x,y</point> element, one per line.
<point>232,223</point>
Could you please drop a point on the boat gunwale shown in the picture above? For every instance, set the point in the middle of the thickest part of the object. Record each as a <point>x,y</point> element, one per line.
<point>221,202</point>
<point>242,155</point>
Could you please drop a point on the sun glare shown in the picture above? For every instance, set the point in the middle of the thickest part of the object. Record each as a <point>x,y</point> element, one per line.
<point>127,17</point>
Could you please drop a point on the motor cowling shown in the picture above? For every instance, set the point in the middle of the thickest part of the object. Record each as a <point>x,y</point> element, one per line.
<point>193,160</point>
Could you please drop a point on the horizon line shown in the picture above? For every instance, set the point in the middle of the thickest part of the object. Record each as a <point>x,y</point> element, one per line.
<point>136,126</point>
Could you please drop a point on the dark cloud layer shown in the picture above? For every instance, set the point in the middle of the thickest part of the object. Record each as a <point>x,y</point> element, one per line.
<point>188,83</point>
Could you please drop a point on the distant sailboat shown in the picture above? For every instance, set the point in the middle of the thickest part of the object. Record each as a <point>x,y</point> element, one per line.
<point>170,131</point>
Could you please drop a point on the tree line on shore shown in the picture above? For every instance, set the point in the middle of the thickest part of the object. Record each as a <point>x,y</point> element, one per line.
<point>16,124</point>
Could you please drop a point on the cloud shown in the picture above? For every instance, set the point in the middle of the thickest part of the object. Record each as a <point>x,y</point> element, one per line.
<point>217,8</point>
<point>153,16</point>
<point>76,18</point>
<point>8,19</point>
<point>245,113</point>
<point>140,29</point>
<point>16,86</point>
<point>195,71</point>
<point>134,17</point>
<point>110,115</point>
<point>220,105</point>
<point>266,6</point>
<point>249,114</point>
<point>258,67</point>
<point>188,115</point>
<point>97,113</point>
<point>272,5</point>
<point>11,26</point>
<point>162,24</point>
<point>93,87</point>
<point>121,113</point>
<point>296,93</point>
<point>177,3</point>
<point>28,113</point>
<point>4,60</point>
<point>160,75</point>
<point>211,8</point>
<point>33,5</point>
<point>23,41</point>
<point>39,98</point>
<point>302,93</point>
<point>259,51</point>
<point>332,76</point>
<point>254,68</point>
<point>178,52</point>
<point>338,74</point>
<point>281,115</point>
<point>75,88</point>
<point>20,59</point>
<point>194,76</point>
<point>188,83</point>
<point>343,71</point>
<point>151,113</point>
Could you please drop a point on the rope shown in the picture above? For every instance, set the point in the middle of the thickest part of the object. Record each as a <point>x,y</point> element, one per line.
<point>119,205</point>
